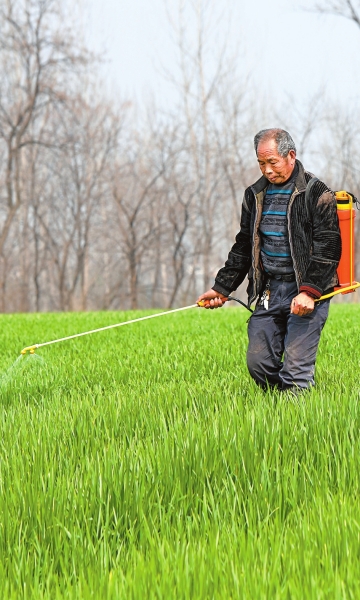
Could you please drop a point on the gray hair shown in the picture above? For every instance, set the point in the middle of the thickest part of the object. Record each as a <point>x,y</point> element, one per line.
<point>283,140</point>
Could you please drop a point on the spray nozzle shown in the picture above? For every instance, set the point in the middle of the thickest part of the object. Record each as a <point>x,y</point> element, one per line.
<point>31,350</point>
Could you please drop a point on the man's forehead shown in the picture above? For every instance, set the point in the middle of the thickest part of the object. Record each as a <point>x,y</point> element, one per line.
<point>267,148</point>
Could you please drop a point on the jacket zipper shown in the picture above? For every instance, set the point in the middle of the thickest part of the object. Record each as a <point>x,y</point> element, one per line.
<point>291,202</point>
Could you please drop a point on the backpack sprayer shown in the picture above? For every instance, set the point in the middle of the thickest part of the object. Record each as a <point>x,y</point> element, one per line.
<point>345,271</point>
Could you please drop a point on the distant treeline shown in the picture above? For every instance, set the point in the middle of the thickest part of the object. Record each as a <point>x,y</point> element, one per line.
<point>105,205</point>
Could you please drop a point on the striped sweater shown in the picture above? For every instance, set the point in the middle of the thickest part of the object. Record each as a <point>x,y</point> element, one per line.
<point>275,247</point>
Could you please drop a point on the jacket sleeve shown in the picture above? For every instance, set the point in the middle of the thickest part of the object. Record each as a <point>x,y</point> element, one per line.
<point>326,242</point>
<point>239,259</point>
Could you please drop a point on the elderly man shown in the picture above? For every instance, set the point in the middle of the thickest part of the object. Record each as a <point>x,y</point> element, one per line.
<point>289,247</point>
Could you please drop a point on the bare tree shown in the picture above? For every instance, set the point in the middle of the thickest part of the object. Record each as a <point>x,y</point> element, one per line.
<point>181,192</point>
<point>38,57</point>
<point>350,9</point>
<point>199,87</point>
<point>135,193</point>
<point>76,187</point>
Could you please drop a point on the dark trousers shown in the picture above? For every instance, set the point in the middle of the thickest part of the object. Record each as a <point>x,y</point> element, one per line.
<point>282,347</point>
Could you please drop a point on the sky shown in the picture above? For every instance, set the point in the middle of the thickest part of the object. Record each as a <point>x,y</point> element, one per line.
<point>285,48</point>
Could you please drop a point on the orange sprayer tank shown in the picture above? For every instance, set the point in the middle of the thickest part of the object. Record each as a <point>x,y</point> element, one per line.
<point>346,214</point>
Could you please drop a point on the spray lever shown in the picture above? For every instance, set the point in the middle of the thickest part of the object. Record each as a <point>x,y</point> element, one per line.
<point>204,303</point>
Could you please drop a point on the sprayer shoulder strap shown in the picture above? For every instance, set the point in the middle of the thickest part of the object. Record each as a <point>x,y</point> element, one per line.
<point>309,187</point>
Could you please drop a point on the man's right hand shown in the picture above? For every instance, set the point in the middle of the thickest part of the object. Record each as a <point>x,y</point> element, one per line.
<point>211,299</point>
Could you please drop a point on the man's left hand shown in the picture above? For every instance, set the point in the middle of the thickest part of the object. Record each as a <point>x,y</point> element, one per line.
<point>302,305</point>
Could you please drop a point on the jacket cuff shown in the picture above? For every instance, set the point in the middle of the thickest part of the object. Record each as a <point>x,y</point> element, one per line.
<point>221,290</point>
<point>313,291</point>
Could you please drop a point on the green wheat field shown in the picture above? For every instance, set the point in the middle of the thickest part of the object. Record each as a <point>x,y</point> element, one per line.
<point>143,463</point>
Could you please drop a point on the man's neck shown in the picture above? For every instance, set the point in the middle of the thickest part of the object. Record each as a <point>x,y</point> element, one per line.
<point>291,177</point>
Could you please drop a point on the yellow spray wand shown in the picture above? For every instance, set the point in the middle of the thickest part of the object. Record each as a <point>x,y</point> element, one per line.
<point>31,349</point>
<point>344,290</point>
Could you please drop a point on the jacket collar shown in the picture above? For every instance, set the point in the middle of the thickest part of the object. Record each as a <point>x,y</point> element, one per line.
<point>300,182</point>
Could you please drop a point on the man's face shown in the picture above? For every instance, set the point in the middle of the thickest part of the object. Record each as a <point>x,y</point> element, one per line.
<point>274,167</point>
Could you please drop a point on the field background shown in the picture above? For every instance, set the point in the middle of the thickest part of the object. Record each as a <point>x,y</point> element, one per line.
<point>144,463</point>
